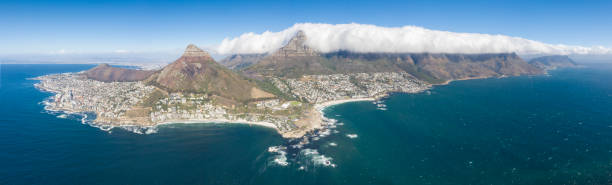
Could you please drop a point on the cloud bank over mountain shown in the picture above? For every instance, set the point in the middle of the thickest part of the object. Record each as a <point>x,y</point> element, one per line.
<point>407,39</point>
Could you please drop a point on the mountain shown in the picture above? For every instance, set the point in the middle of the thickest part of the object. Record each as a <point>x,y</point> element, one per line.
<point>297,59</point>
<point>107,73</point>
<point>293,60</point>
<point>197,72</point>
<point>241,61</point>
<point>296,47</point>
<point>553,62</point>
<point>444,67</point>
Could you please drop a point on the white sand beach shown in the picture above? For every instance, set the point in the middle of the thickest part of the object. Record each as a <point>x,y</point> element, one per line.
<point>322,106</point>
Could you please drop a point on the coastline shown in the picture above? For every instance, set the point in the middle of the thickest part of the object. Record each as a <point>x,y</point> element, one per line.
<point>315,119</point>
<point>140,128</point>
<point>468,78</point>
<point>145,129</point>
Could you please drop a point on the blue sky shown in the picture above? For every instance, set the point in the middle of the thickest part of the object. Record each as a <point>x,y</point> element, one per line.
<point>31,27</point>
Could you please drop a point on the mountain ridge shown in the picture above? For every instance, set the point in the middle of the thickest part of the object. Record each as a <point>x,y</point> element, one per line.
<point>297,59</point>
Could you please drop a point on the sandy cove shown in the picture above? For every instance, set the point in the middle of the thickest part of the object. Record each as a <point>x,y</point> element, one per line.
<point>467,78</point>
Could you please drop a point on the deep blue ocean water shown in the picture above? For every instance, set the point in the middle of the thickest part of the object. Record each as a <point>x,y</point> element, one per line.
<point>553,129</point>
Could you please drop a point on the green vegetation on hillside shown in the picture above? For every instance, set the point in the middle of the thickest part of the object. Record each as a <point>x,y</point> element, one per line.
<point>268,86</point>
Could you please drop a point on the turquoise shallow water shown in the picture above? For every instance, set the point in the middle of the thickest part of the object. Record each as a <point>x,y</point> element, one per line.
<point>523,130</point>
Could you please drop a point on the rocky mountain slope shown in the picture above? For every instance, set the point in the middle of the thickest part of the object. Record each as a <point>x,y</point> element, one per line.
<point>107,73</point>
<point>435,68</point>
<point>196,72</point>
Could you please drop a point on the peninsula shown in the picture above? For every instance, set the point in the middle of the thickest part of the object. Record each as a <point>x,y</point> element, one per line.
<point>285,90</point>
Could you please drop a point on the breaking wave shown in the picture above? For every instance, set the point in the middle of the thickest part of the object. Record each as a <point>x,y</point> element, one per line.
<point>301,152</point>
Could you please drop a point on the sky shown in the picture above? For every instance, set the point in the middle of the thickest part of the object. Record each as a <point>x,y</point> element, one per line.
<point>124,26</point>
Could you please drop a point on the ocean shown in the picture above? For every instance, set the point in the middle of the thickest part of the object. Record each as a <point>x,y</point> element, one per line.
<point>550,129</point>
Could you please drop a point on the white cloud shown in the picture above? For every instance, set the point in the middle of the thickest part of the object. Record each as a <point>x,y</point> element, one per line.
<point>121,51</point>
<point>408,39</point>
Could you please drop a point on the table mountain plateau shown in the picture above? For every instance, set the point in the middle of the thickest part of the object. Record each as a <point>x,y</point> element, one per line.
<point>296,59</point>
